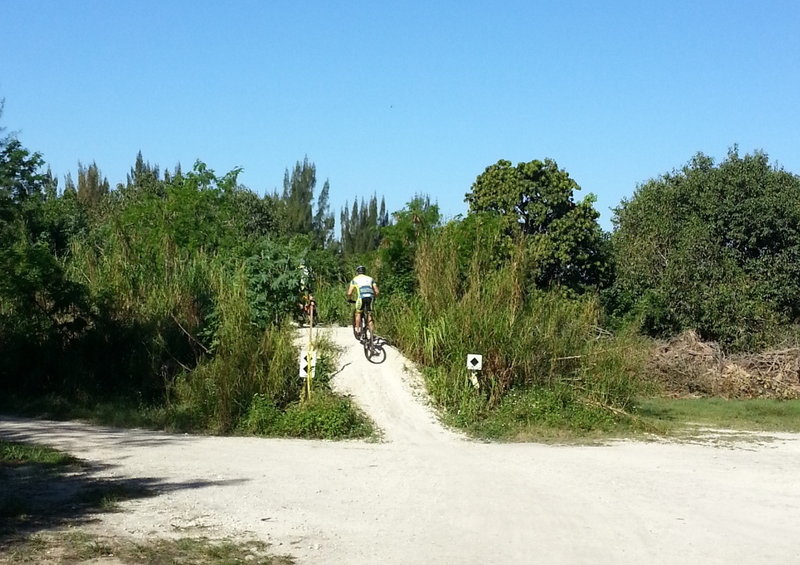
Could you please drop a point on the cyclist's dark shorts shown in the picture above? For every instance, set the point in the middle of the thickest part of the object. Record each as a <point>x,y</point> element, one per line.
<point>366,304</point>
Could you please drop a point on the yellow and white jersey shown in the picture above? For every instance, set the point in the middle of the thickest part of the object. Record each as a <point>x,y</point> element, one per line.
<point>363,283</point>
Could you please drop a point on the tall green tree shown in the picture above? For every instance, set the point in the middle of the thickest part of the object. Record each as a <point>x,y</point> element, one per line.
<point>565,245</point>
<point>22,174</point>
<point>92,185</point>
<point>299,214</point>
<point>41,310</point>
<point>144,177</point>
<point>298,194</point>
<point>399,243</point>
<point>362,225</point>
<point>323,222</point>
<point>715,248</point>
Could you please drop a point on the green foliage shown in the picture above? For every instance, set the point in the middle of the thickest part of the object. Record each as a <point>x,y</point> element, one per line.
<point>399,244</point>
<point>477,244</point>
<point>259,216</point>
<point>41,310</point>
<point>323,222</point>
<point>712,248</point>
<point>16,453</point>
<point>21,175</point>
<point>168,293</point>
<point>362,226</point>
<point>564,243</point>
<point>324,416</point>
<point>248,359</point>
<point>147,297</point>
<point>332,307</point>
<point>274,278</point>
<point>92,186</point>
<point>298,193</point>
<point>263,417</point>
<point>529,413</point>
<point>530,340</point>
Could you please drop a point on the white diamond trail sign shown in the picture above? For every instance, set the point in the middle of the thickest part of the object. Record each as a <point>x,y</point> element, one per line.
<point>474,362</point>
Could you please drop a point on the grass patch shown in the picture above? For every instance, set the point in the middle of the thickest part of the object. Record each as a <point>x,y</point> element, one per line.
<point>119,413</point>
<point>550,416</point>
<point>78,547</point>
<point>22,465</point>
<point>15,453</point>
<point>759,414</point>
<point>544,416</point>
<point>325,416</point>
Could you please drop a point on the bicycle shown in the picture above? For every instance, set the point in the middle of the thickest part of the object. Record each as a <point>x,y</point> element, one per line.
<point>365,333</point>
<point>307,310</point>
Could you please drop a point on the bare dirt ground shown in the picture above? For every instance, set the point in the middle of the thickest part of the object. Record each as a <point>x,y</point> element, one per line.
<point>427,495</point>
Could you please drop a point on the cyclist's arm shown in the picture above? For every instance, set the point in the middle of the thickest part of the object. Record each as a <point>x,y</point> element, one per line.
<point>350,290</point>
<point>375,288</point>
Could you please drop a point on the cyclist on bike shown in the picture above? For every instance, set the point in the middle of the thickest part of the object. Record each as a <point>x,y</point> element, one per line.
<point>306,300</point>
<point>367,290</point>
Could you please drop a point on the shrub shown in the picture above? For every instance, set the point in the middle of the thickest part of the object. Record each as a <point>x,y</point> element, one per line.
<point>713,249</point>
<point>324,416</point>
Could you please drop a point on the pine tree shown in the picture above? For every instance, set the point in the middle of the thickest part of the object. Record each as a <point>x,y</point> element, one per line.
<point>69,185</point>
<point>361,228</point>
<point>144,176</point>
<point>92,186</point>
<point>323,220</point>
<point>298,192</point>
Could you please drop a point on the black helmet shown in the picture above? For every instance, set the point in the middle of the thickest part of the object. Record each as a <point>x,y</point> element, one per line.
<point>361,269</point>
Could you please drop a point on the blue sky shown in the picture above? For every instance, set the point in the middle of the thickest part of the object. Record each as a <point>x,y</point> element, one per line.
<point>405,97</point>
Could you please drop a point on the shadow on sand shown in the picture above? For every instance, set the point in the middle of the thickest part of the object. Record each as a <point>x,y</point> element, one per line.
<point>39,496</point>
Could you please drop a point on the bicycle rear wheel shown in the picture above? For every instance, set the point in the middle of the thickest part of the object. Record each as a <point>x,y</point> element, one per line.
<point>368,342</point>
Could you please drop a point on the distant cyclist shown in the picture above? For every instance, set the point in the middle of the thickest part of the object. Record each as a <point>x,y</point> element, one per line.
<point>306,304</point>
<point>367,290</point>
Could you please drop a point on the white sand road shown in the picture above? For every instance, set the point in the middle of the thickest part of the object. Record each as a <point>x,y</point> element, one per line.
<point>426,495</point>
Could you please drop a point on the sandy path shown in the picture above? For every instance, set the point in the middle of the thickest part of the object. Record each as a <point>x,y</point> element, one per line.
<point>426,495</point>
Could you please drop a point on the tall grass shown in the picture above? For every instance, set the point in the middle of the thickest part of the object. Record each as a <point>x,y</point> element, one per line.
<point>180,326</point>
<point>246,361</point>
<point>151,308</point>
<point>333,308</point>
<point>186,323</point>
<point>531,340</point>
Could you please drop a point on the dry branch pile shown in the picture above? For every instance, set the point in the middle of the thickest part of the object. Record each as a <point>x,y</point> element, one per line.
<point>688,366</point>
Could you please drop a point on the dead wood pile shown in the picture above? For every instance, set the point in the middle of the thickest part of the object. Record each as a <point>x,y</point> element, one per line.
<point>688,366</point>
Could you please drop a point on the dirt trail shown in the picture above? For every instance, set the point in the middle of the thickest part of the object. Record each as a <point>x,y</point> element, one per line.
<point>389,390</point>
<point>426,495</point>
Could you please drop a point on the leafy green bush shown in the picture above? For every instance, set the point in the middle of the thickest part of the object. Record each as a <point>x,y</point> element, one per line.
<point>324,416</point>
<point>712,248</point>
<point>263,417</point>
<point>273,272</point>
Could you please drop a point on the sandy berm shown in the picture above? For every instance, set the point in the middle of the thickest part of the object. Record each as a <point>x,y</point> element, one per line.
<point>425,494</point>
